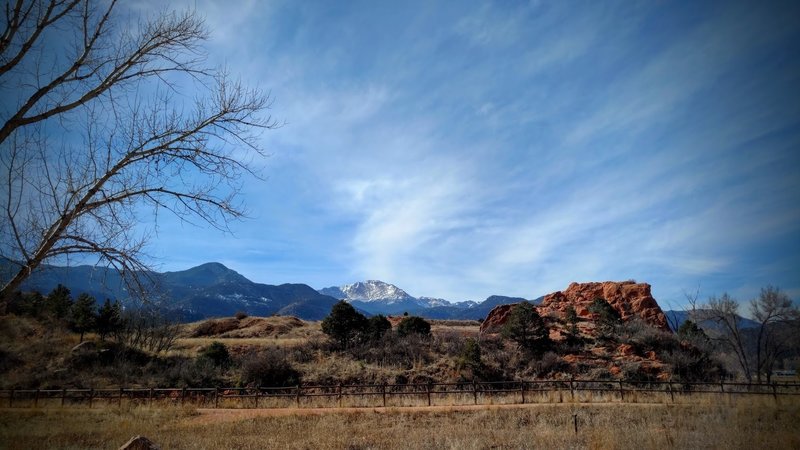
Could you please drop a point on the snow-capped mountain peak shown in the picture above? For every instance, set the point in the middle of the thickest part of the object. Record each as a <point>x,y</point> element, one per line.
<point>374,290</point>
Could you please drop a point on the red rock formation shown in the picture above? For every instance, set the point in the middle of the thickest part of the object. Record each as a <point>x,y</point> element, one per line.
<point>628,298</point>
<point>496,318</point>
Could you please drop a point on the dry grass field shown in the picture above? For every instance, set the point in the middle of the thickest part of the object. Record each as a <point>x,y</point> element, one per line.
<point>743,423</point>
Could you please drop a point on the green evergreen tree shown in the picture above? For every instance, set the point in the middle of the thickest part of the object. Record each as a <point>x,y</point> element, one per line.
<point>59,302</point>
<point>344,325</point>
<point>608,319</point>
<point>82,314</point>
<point>527,328</point>
<point>377,326</point>
<point>26,304</point>
<point>572,320</point>
<point>109,319</point>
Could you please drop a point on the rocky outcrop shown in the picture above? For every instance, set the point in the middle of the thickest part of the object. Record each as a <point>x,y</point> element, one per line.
<point>496,318</point>
<point>139,443</point>
<point>628,298</point>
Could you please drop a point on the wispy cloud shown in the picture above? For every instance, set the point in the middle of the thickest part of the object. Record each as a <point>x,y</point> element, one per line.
<point>462,150</point>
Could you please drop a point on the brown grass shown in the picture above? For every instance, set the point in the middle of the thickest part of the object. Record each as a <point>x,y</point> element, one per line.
<point>755,423</point>
<point>248,333</point>
<point>248,327</point>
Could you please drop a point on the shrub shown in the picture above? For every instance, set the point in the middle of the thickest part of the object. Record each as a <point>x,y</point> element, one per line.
<point>691,364</point>
<point>395,350</point>
<point>414,325</point>
<point>217,353</point>
<point>240,315</point>
<point>269,368</point>
<point>549,363</point>
<point>470,356</point>
<point>147,329</point>
<point>645,337</point>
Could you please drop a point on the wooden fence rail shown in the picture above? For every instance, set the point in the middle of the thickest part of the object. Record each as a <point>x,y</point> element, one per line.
<point>394,395</point>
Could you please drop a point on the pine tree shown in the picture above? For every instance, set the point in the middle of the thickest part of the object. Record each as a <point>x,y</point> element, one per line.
<point>109,319</point>
<point>527,328</point>
<point>82,314</point>
<point>59,302</point>
<point>345,325</point>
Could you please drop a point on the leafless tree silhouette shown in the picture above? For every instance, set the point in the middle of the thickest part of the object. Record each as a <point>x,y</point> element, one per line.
<point>105,123</point>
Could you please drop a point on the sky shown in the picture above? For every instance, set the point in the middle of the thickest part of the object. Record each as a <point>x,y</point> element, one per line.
<point>464,149</point>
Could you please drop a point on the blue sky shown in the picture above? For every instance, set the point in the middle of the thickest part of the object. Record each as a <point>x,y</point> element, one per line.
<point>463,149</point>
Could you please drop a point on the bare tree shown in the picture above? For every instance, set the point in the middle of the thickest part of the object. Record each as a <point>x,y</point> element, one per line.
<point>777,319</point>
<point>756,348</point>
<point>724,312</point>
<point>104,122</point>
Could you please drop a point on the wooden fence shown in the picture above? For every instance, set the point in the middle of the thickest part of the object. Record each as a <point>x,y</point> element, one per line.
<point>395,395</point>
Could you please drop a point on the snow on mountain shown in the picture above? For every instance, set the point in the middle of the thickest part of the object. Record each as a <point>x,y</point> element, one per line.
<point>379,292</point>
<point>377,297</point>
<point>430,302</point>
<point>370,291</point>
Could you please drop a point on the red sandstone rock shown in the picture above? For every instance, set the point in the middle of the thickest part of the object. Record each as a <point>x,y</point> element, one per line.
<point>628,298</point>
<point>625,350</point>
<point>496,318</point>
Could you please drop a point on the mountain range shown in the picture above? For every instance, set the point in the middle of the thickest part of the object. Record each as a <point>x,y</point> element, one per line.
<point>208,290</point>
<point>378,297</point>
<point>213,290</point>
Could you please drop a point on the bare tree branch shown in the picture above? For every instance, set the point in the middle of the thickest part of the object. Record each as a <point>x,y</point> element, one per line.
<point>97,137</point>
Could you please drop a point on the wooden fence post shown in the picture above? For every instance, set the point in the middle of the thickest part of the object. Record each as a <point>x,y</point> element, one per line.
<point>475,391</point>
<point>216,397</point>
<point>183,395</point>
<point>721,386</point>
<point>671,392</point>
<point>572,387</point>
<point>339,394</point>
<point>36,399</point>
<point>150,397</point>
<point>11,399</point>
<point>91,397</point>
<point>258,392</point>
<point>621,392</point>
<point>297,398</point>
<point>119,401</point>
<point>63,396</point>
<point>522,389</point>
<point>429,393</point>
<point>383,391</point>
<point>775,391</point>
<point>575,422</point>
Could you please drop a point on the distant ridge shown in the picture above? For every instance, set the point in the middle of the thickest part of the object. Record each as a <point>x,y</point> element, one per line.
<point>207,290</point>
<point>378,297</point>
